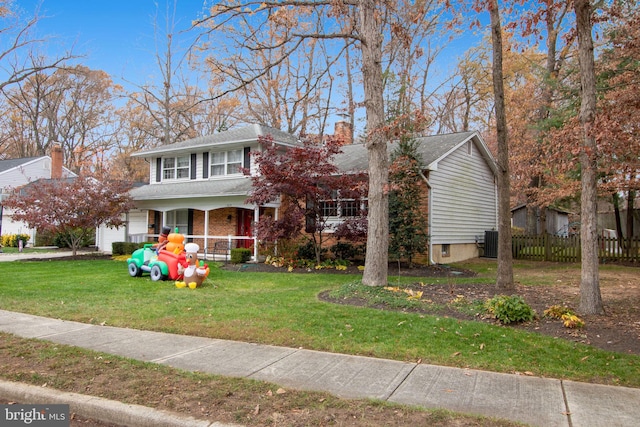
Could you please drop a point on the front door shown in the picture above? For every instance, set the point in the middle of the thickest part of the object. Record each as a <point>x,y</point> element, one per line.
<point>245,220</point>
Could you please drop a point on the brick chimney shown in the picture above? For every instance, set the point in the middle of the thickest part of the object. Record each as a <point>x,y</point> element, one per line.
<point>56,162</point>
<point>344,131</point>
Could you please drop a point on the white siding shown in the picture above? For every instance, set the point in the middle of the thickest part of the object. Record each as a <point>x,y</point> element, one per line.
<point>137,224</point>
<point>17,177</point>
<point>463,203</point>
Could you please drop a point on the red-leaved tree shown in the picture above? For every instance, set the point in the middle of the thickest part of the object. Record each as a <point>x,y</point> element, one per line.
<point>306,181</point>
<point>73,207</point>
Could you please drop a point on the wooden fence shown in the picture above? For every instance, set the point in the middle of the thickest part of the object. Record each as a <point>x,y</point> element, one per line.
<point>547,247</point>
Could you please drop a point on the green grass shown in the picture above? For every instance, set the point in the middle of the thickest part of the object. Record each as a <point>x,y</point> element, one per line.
<point>283,309</point>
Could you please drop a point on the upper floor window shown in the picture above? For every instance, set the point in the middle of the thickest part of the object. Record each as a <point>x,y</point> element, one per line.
<point>176,167</point>
<point>226,162</point>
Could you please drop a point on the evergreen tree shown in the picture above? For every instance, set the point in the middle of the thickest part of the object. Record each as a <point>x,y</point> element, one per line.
<point>407,222</point>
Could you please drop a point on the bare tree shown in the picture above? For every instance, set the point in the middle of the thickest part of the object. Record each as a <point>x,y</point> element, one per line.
<point>19,56</point>
<point>72,106</point>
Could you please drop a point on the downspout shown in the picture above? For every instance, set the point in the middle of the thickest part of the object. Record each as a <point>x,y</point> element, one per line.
<point>431,261</point>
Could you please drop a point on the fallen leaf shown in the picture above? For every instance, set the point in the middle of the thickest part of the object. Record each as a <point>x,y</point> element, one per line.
<point>482,346</point>
<point>269,393</point>
<point>529,373</point>
<point>457,353</point>
<point>256,411</point>
<point>281,391</point>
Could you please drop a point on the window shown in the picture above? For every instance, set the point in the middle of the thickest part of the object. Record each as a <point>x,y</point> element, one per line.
<point>329,208</point>
<point>349,208</point>
<point>178,219</point>
<point>344,208</point>
<point>446,250</point>
<point>226,162</point>
<point>176,167</point>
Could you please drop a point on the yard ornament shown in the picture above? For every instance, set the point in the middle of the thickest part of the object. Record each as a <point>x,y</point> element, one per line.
<point>176,242</point>
<point>193,274</point>
<point>163,239</point>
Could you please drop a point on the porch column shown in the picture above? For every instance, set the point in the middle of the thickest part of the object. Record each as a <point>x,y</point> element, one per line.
<point>256,218</point>
<point>206,231</point>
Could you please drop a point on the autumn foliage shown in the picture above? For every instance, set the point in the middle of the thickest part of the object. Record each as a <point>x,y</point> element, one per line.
<point>74,208</point>
<point>305,178</point>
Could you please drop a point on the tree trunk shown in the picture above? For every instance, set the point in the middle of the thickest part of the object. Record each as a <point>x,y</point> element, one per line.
<point>590,298</point>
<point>616,214</point>
<point>631,195</point>
<point>504,280</point>
<point>376,260</point>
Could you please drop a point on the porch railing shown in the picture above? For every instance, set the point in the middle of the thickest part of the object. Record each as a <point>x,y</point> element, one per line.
<point>208,243</point>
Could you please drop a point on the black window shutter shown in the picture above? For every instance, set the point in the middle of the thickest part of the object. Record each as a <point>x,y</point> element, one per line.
<point>247,158</point>
<point>193,165</point>
<point>158,169</point>
<point>190,224</point>
<point>205,165</point>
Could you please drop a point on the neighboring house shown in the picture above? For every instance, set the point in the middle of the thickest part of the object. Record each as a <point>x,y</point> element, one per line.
<point>16,173</point>
<point>556,220</point>
<point>197,186</point>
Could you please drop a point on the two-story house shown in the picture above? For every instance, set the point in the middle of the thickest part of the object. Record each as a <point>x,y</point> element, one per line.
<point>198,186</point>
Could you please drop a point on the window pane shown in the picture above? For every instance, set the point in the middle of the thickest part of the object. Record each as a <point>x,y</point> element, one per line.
<point>217,170</point>
<point>168,174</point>
<point>169,163</point>
<point>217,158</point>
<point>234,156</point>
<point>233,168</point>
<point>329,208</point>
<point>183,162</point>
<point>183,173</point>
<point>349,208</point>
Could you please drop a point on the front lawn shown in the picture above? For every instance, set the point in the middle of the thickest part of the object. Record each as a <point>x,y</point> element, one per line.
<point>284,309</point>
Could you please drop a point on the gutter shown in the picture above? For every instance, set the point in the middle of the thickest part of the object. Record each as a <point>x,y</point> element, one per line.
<point>431,261</point>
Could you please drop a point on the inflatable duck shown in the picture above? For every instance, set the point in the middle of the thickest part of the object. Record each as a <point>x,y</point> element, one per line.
<point>193,274</point>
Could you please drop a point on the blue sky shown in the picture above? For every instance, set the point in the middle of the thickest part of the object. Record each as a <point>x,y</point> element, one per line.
<point>116,36</point>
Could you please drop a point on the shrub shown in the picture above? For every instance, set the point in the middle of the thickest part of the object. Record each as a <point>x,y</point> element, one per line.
<point>343,250</point>
<point>11,240</point>
<point>126,248</point>
<point>62,240</point>
<point>308,251</point>
<point>510,309</point>
<point>240,255</point>
<point>568,316</point>
<point>557,311</point>
<point>572,321</point>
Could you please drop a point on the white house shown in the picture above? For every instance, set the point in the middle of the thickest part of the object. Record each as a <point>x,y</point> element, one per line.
<point>15,173</point>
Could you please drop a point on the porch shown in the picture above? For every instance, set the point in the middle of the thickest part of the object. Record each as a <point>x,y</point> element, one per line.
<point>214,248</point>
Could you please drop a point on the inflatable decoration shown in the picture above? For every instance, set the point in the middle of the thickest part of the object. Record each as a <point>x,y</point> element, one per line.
<point>161,264</point>
<point>176,242</point>
<point>163,239</point>
<point>194,274</point>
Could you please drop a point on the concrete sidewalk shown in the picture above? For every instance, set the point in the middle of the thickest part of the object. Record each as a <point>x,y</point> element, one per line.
<point>28,254</point>
<point>531,400</point>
